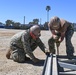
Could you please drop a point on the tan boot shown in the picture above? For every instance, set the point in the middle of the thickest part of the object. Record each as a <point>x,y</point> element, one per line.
<point>8,54</point>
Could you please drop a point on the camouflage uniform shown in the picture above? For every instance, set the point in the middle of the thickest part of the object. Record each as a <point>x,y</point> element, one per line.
<point>51,43</point>
<point>22,44</point>
<point>68,36</point>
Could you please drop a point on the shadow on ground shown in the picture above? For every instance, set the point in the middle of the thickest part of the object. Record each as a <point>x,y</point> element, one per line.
<point>40,63</point>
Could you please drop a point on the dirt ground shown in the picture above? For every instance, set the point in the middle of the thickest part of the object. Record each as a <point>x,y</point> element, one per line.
<point>9,67</point>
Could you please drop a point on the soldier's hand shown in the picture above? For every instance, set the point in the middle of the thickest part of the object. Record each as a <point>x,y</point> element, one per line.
<point>56,39</point>
<point>47,52</point>
<point>35,60</point>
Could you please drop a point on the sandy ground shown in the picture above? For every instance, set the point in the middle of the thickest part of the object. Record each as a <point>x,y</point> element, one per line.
<point>9,67</point>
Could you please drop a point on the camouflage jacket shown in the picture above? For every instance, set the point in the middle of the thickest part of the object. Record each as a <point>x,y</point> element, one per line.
<point>24,41</point>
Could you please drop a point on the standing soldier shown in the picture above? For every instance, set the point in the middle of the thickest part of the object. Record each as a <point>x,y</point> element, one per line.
<point>25,42</point>
<point>61,28</point>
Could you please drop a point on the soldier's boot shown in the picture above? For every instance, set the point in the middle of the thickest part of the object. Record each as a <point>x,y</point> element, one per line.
<point>8,54</point>
<point>70,56</point>
<point>70,53</point>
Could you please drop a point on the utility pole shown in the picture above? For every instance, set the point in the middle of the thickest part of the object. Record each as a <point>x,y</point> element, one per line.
<point>24,20</point>
<point>47,16</point>
<point>40,21</point>
<point>47,9</point>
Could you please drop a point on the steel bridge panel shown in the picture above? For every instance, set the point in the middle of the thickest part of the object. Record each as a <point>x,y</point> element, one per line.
<point>67,65</point>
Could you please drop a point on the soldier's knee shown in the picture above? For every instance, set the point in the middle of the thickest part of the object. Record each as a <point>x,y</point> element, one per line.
<point>15,57</point>
<point>18,58</point>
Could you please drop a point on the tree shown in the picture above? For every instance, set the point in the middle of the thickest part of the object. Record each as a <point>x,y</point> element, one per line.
<point>31,23</point>
<point>16,25</point>
<point>35,21</point>
<point>8,22</point>
<point>48,8</point>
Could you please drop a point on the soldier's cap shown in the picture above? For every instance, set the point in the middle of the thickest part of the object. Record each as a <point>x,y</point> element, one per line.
<point>54,22</point>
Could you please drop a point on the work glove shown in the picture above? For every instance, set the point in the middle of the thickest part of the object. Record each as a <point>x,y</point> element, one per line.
<point>56,38</point>
<point>35,60</point>
<point>58,42</point>
<point>47,51</point>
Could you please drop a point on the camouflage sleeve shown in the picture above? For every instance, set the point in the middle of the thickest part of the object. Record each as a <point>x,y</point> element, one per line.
<point>41,45</point>
<point>26,45</point>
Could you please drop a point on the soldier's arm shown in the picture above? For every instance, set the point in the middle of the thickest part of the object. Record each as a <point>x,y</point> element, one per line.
<point>41,45</point>
<point>26,46</point>
<point>54,35</point>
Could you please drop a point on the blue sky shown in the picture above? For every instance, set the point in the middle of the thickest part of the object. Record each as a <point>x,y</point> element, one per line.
<point>16,9</point>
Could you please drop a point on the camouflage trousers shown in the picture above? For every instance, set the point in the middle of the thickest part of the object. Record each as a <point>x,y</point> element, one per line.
<point>51,44</point>
<point>18,54</point>
<point>68,43</point>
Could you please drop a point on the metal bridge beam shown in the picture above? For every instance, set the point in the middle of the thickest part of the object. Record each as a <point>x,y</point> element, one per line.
<point>68,66</point>
<point>47,65</point>
<point>50,65</point>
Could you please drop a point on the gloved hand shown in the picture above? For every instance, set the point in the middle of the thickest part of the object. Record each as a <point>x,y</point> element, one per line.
<point>56,39</point>
<point>47,51</point>
<point>35,60</point>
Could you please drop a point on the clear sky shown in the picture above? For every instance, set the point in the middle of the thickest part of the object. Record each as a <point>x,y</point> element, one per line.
<point>16,10</point>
